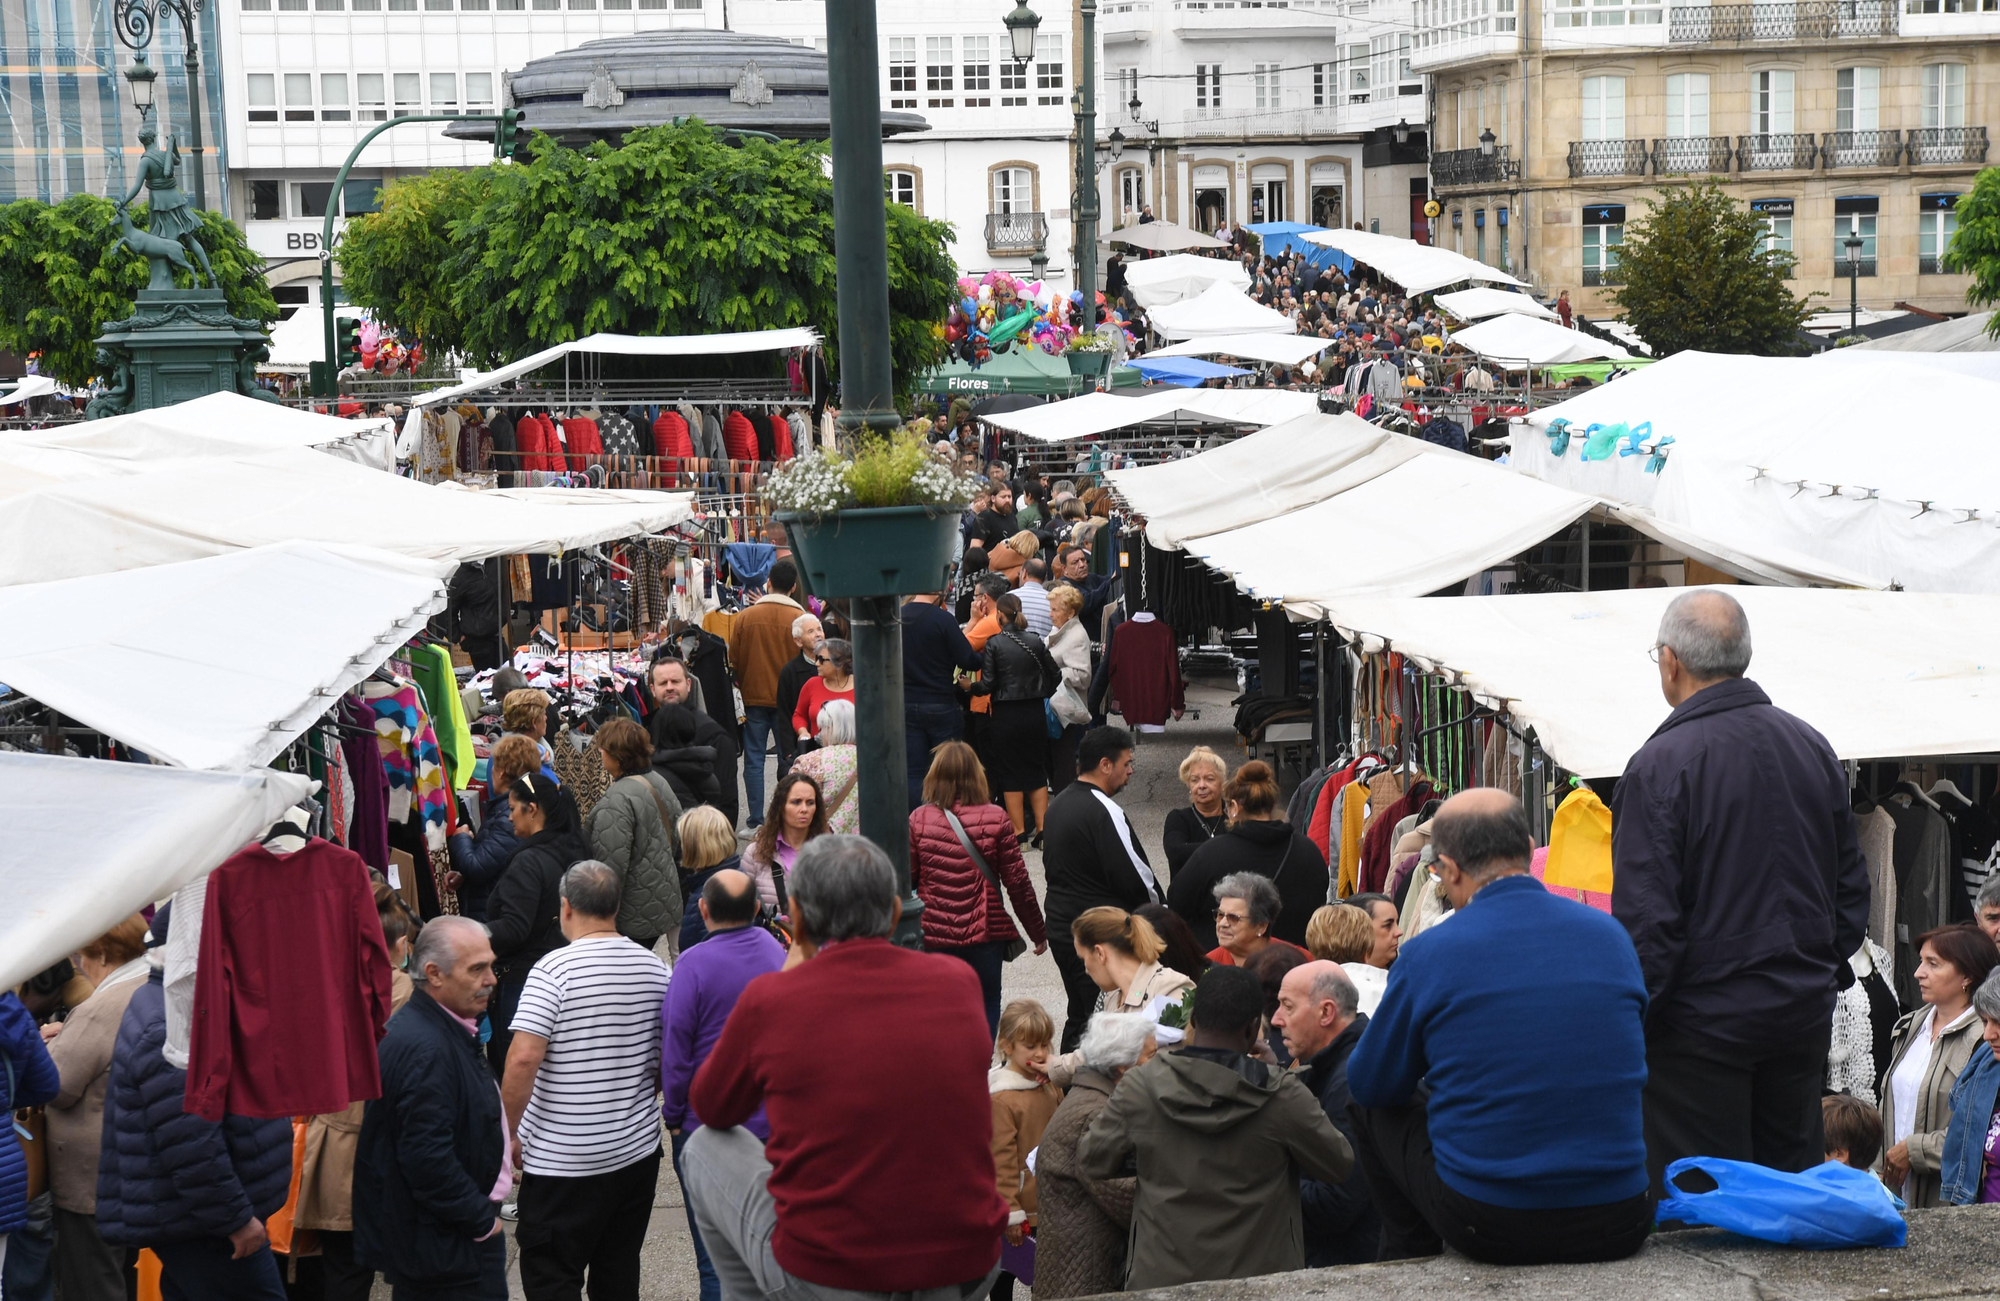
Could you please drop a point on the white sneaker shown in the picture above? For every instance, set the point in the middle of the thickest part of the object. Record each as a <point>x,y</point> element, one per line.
<point>511,1212</point>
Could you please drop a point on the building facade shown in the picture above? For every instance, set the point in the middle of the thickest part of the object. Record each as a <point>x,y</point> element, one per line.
<point>1557,120</point>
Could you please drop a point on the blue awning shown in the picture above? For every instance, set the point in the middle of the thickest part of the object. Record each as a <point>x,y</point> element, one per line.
<point>1187,372</point>
<point>1282,237</point>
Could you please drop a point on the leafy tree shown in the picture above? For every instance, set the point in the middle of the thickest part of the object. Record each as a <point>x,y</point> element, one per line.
<point>676,231</point>
<point>57,292</point>
<point>1696,274</point>
<point>1975,248</point>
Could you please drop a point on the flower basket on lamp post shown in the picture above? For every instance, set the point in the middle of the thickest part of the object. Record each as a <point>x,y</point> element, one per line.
<point>884,551</point>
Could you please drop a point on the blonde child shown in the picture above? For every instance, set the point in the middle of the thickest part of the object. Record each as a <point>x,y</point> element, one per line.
<point>1023,1102</point>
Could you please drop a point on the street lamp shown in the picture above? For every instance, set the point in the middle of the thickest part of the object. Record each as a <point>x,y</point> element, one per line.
<point>134,21</point>
<point>1487,141</point>
<point>140,76</point>
<point>1853,283</point>
<point>1117,144</point>
<point>1021,23</point>
<point>1402,131</point>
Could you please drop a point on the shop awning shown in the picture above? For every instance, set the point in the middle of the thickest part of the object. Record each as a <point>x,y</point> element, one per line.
<point>90,842</point>
<point>1418,268</point>
<point>1159,281</point>
<point>216,425</point>
<point>218,663</point>
<point>1482,301</point>
<point>1163,237</point>
<point>1187,372</point>
<point>631,345</point>
<point>205,506</point>
<point>1018,370</point>
<point>1219,309</point>
<point>1279,349</point>
<point>1280,238</point>
<point>1100,413</point>
<point>1881,674</point>
<point>1515,341</point>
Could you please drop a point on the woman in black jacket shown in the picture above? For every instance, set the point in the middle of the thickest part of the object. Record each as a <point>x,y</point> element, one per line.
<point>1257,841</point>
<point>1020,675</point>
<point>524,912</point>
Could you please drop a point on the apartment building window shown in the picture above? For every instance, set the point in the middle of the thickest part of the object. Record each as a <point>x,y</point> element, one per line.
<point>444,92</point>
<point>292,6</point>
<point>978,71</point>
<point>266,200</point>
<point>333,105</point>
<point>1603,234</point>
<point>1013,84</point>
<point>1382,55</point>
<point>900,186</point>
<point>1357,74</point>
<point>937,71</point>
<point>1479,234</point>
<point>1854,216</point>
<point>1687,105</point>
<point>1207,89</point>
<point>260,94</point>
<point>1053,90</point>
<point>371,104</point>
<point>1944,94</point>
<point>902,72</point>
<point>479,92</point>
<point>361,196</point>
<point>1013,190</point>
<point>256,6</point>
<point>1403,70</point>
<point>1937,221</point>
<point>1771,102</point>
<point>1478,110</point>
<point>1131,191</point>
<point>1601,13</point>
<point>369,6</point>
<point>1500,110</point>
<point>1604,108</point>
<point>298,97</point>
<point>1128,88</point>
<point>1858,99</point>
<point>1265,78</point>
<point>1319,85</point>
<point>409,93</point>
<point>334,6</point>
<point>1776,214</point>
<point>1506,261</point>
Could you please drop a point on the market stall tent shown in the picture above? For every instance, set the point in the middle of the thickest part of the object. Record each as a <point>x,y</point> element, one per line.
<point>1482,301</point>
<point>300,339</point>
<point>1163,237</point>
<point>90,842</point>
<point>1281,238</point>
<point>629,345</point>
<point>1159,281</point>
<point>1186,372</point>
<point>1972,333</point>
<point>1516,341</point>
<point>1100,413</point>
<point>1418,268</point>
<point>213,425</point>
<point>30,386</point>
<point>1880,674</point>
<point>1278,349</point>
<point>1018,370</point>
<point>1219,309</point>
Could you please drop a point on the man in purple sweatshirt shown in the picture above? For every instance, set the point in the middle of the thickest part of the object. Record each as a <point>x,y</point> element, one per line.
<point>707,981</point>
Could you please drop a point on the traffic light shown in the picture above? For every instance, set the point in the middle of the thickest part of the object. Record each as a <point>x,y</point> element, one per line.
<point>510,140</point>
<point>347,342</point>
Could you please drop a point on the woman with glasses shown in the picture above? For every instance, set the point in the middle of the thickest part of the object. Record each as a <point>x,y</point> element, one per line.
<point>835,682</point>
<point>1258,840</point>
<point>1246,904</point>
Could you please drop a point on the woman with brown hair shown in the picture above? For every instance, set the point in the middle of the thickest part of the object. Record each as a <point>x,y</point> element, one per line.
<point>797,814</point>
<point>633,829</point>
<point>1121,951</point>
<point>1259,841</point>
<point>1929,1047</point>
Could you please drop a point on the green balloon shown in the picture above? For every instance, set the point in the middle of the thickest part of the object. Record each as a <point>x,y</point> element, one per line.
<point>1007,329</point>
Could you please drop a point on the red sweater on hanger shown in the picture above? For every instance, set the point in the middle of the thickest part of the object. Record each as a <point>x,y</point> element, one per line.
<point>783,429</point>
<point>1145,672</point>
<point>739,438</point>
<point>528,443</point>
<point>291,986</point>
<point>583,441</point>
<point>670,436</point>
<point>1376,850</point>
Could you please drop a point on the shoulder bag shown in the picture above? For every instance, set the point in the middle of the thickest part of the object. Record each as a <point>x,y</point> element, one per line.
<point>31,1131</point>
<point>1016,946</point>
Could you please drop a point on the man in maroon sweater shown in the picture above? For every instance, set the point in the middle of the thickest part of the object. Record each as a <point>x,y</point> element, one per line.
<point>870,1062</point>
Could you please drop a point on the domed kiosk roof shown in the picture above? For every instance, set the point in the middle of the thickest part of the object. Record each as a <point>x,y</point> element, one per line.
<point>731,80</point>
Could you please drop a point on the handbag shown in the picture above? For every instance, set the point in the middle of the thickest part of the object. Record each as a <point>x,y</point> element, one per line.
<point>32,1133</point>
<point>1016,946</point>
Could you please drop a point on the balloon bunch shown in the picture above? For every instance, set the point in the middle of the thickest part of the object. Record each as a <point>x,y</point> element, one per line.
<point>999,310</point>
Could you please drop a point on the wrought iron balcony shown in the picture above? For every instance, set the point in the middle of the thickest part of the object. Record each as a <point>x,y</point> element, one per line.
<point>1805,20</point>
<point>1607,158</point>
<point>1777,152</point>
<point>1948,144</point>
<point>1929,264</point>
<point>1862,148</point>
<point>1594,277</point>
<point>1455,167</point>
<point>1680,155</point>
<point>1017,232</point>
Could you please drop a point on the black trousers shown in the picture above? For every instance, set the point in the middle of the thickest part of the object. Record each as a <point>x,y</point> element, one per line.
<point>344,1278</point>
<point>1741,1102</point>
<point>486,652</point>
<point>591,1224</point>
<point>1082,990</point>
<point>1420,1212</point>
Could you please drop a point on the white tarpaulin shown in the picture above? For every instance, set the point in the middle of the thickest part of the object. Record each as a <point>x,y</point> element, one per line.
<point>1973,363</point>
<point>300,339</point>
<point>219,424</point>
<point>218,663</point>
<point>32,386</point>
<point>1882,674</point>
<point>1482,301</point>
<point>1515,341</point>
<point>1418,268</point>
<point>1279,349</point>
<point>204,506</point>
<point>1163,280</point>
<point>1162,236</point>
<point>89,842</point>
<point>1872,474</point>
<point>1219,309</point>
<point>1099,413</point>
<point>1966,334</point>
<point>631,345</point>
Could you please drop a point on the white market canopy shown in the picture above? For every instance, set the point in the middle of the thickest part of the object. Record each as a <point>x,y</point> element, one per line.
<point>1163,237</point>
<point>1418,268</point>
<point>300,339</point>
<point>1880,674</point>
<point>257,645</point>
<point>631,345</point>
<point>1219,309</point>
<point>205,506</point>
<point>1100,413</point>
<point>1971,362</point>
<point>1518,341</point>
<point>1482,301</point>
<point>1157,282</point>
<point>1966,334</point>
<point>1278,349</point>
<point>1797,470</point>
<point>30,386</point>
<point>215,425</point>
<point>90,842</point>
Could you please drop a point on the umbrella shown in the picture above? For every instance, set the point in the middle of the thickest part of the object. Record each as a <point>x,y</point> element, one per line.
<point>1186,372</point>
<point>1163,237</point>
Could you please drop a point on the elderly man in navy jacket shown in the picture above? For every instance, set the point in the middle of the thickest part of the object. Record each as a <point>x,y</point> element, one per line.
<point>1738,874</point>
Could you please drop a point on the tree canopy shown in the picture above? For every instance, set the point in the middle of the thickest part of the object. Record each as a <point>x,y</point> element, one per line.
<point>1975,248</point>
<point>676,231</point>
<point>57,293</point>
<point>1696,273</point>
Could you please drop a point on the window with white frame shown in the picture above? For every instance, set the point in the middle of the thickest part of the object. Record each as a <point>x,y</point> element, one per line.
<point>1500,114</point>
<point>1013,83</point>
<point>1603,235</point>
<point>479,92</point>
<point>298,97</point>
<point>333,105</point>
<point>899,185</point>
<point>937,72</point>
<point>1357,74</point>
<point>371,103</point>
<point>1403,70</point>
<point>1605,13</point>
<point>1477,95</point>
<point>1604,108</point>
<point>1128,88</point>
<point>902,72</point>
<point>1013,190</point>
<point>409,93</point>
<point>261,96</point>
<point>1321,93</point>
<point>1936,223</point>
<point>444,92</point>
<point>1857,99</point>
<point>1944,94</point>
<point>1264,78</point>
<point>1776,216</point>
<point>1131,191</point>
<point>977,72</point>
<point>1382,58</point>
<point>1771,101</point>
<point>1207,89</point>
<point>1687,105</point>
<point>1049,83</point>
<point>1854,218</point>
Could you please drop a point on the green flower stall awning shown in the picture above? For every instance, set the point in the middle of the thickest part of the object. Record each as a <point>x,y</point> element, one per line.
<point>1017,370</point>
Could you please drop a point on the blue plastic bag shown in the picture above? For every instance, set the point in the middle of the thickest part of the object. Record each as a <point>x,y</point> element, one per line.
<point>1832,1205</point>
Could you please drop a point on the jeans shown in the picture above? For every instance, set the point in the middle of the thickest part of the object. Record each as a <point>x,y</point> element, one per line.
<point>711,1286</point>
<point>200,1269</point>
<point>758,723</point>
<point>29,1271</point>
<point>987,959</point>
<point>926,726</point>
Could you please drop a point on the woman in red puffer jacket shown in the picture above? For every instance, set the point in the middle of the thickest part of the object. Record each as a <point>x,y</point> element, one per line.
<point>964,915</point>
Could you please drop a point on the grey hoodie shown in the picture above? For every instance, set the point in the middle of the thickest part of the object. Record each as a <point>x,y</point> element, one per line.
<point>1218,1141</point>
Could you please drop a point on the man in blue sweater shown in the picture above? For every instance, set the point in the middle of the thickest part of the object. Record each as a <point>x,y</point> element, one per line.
<point>1497,1088</point>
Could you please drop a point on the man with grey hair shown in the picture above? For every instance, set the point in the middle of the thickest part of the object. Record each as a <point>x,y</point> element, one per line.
<point>582,1070</point>
<point>1737,870</point>
<point>1986,908</point>
<point>430,1170</point>
<point>1081,1232</point>
<point>807,634</point>
<point>830,1206</point>
<point>1317,1014</point>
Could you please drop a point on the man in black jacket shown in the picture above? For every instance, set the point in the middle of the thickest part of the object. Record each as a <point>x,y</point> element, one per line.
<point>1316,1014</point>
<point>428,1173</point>
<point>1092,858</point>
<point>472,605</point>
<point>672,684</point>
<point>1737,871</point>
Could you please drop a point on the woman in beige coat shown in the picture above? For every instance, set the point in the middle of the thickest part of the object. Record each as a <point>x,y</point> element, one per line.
<point>1121,952</point>
<point>1930,1046</point>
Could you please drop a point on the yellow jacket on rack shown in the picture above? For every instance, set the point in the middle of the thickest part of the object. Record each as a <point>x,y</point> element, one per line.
<point>1580,843</point>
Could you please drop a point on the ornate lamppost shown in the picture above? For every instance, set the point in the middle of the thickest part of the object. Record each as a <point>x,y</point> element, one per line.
<point>135,21</point>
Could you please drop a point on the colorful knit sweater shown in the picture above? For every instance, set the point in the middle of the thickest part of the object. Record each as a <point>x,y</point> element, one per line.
<point>410,757</point>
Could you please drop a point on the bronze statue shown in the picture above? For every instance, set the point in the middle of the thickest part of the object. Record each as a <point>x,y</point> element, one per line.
<point>172,224</point>
<point>117,399</point>
<point>246,372</point>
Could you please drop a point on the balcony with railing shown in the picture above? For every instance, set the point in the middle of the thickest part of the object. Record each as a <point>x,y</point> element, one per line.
<point>1452,168</point>
<point>1802,20</point>
<point>1849,149</point>
<point>1607,158</point>
<point>1016,232</point>
<point>1775,151</point>
<point>1600,277</point>
<point>1685,155</point>
<point>1934,145</point>
<point>1930,264</point>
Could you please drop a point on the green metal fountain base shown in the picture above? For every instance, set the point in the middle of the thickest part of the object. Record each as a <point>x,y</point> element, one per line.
<point>178,344</point>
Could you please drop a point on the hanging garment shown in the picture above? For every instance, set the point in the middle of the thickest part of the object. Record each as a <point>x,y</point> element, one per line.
<point>531,441</point>
<point>619,436</point>
<point>1376,845</point>
<point>292,986</point>
<point>781,435</point>
<point>1973,833</point>
<point>1876,831</point>
<point>1580,843</point>
<point>581,440</point>
<point>1923,884</point>
<point>581,770</point>
<point>1353,826</point>
<point>670,436</point>
<point>1858,1053</point>
<point>500,432</point>
<point>371,785</point>
<point>750,561</point>
<point>707,657</point>
<point>714,445</point>
<point>1145,672</point>
<point>432,665</point>
<point>767,437</point>
<point>410,757</point>
<point>475,448</point>
<point>739,437</point>
<point>1538,866</point>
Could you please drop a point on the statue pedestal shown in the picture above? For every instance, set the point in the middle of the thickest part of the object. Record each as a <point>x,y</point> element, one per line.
<point>180,344</point>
